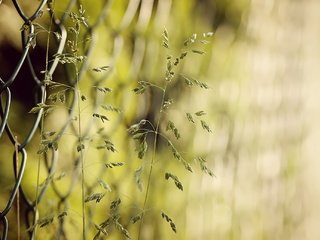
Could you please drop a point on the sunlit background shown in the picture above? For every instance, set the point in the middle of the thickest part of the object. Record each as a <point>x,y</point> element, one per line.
<point>262,106</point>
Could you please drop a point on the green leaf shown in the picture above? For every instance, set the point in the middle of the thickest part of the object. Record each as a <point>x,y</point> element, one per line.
<point>58,96</point>
<point>198,51</point>
<point>101,69</point>
<point>140,138</point>
<point>174,151</point>
<point>165,44</point>
<point>62,215</point>
<point>173,226</point>
<point>80,147</point>
<point>169,220</point>
<point>178,156</point>
<point>100,130</point>
<point>169,76</point>
<point>142,147</point>
<point>186,42</point>
<point>183,55</point>
<point>43,149</point>
<point>122,229</point>
<point>100,230</point>
<point>83,98</point>
<point>187,166</point>
<point>190,40</point>
<point>137,178</point>
<point>104,89</point>
<point>191,82</point>
<point>200,113</point>
<point>139,135</point>
<point>48,134</point>
<point>136,218</point>
<point>46,144</point>
<point>102,117</point>
<point>172,127</point>
<point>190,118</point>
<point>135,127</point>
<point>165,36</point>
<point>115,204</point>
<point>66,58</point>
<point>139,90</point>
<point>108,145</point>
<point>205,126</point>
<point>62,97</point>
<point>104,185</point>
<point>114,164</point>
<point>45,221</point>
<point>169,71</point>
<point>175,179</point>
<point>94,197</point>
<point>105,224</point>
<point>143,85</point>
<point>169,65</point>
<point>176,61</point>
<point>203,166</point>
<point>111,108</point>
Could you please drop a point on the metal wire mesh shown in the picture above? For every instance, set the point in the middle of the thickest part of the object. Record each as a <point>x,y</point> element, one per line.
<point>128,32</point>
<point>19,147</point>
<point>19,153</point>
<point>264,150</point>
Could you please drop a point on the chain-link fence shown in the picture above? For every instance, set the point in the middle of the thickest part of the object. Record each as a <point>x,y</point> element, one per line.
<point>19,153</point>
<point>55,143</point>
<point>262,67</point>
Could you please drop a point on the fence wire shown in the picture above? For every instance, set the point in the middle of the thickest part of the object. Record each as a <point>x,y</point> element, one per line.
<point>19,147</point>
<point>137,19</point>
<point>263,142</point>
<point>59,23</point>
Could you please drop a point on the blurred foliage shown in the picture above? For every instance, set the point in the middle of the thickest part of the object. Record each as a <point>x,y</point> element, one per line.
<point>261,107</point>
<point>127,49</point>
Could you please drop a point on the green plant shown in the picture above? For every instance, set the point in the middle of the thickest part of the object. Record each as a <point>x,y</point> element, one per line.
<point>73,98</point>
<point>140,131</point>
<point>49,139</point>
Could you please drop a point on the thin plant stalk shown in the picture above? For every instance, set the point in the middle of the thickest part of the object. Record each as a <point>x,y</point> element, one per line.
<point>42,126</point>
<point>152,161</point>
<point>78,96</point>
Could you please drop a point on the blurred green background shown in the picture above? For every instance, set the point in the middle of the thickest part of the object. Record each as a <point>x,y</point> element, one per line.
<point>262,105</point>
